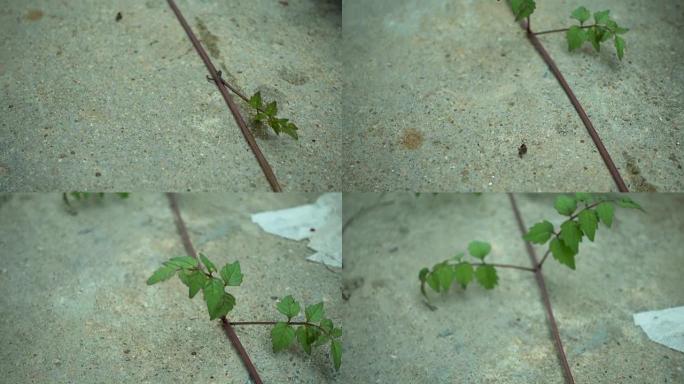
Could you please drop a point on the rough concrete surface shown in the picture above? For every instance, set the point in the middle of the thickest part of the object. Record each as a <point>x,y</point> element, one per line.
<point>445,92</point>
<point>76,309</point>
<point>501,336</point>
<point>92,103</point>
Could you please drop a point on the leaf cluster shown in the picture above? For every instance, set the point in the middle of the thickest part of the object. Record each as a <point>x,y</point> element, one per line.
<point>564,245</point>
<point>456,270</point>
<point>267,113</point>
<point>219,302</point>
<point>317,330</point>
<point>603,29</point>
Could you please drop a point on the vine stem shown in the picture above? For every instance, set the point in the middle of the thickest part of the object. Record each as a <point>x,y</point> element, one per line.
<point>230,332</point>
<point>507,266</point>
<point>545,296</point>
<point>276,322</point>
<point>558,30</point>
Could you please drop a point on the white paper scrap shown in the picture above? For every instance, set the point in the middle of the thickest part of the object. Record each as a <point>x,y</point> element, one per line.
<point>320,222</point>
<point>665,327</point>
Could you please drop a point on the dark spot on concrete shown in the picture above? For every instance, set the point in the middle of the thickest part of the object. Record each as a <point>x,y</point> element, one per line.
<point>639,183</point>
<point>118,16</point>
<point>98,174</point>
<point>210,40</point>
<point>350,285</point>
<point>11,106</point>
<point>293,76</point>
<point>193,353</point>
<point>73,152</point>
<point>411,139</point>
<point>34,15</point>
<point>378,283</point>
<point>675,160</point>
<point>404,230</point>
<point>127,351</point>
<point>522,150</point>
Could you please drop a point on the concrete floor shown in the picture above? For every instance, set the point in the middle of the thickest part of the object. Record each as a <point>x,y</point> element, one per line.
<point>75,306</point>
<point>501,336</point>
<point>89,103</point>
<point>444,93</point>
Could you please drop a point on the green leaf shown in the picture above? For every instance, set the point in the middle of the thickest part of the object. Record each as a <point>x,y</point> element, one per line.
<point>433,282</point>
<point>255,101</point>
<point>185,262</point>
<point>594,37</point>
<point>463,272</point>
<point>626,202</point>
<point>162,274</point>
<point>291,130</point>
<point>423,274</point>
<point>445,276</point>
<point>282,336</point>
<point>195,280</point>
<point>562,253</point>
<point>260,117</point>
<point>584,197</point>
<point>288,307</point>
<point>576,36</point>
<point>327,325</point>
<point>207,263</point>
<point>602,17</point>
<point>620,46</point>
<point>588,223</point>
<point>336,332</point>
<point>605,213</point>
<point>522,8</point>
<point>303,338</point>
<point>571,235</point>
<point>271,109</point>
<point>539,233</point>
<point>581,14</point>
<point>231,274</point>
<point>336,352</point>
<point>479,249</point>
<point>486,276</point>
<point>565,205</point>
<point>219,303</point>
<point>123,195</point>
<point>314,312</point>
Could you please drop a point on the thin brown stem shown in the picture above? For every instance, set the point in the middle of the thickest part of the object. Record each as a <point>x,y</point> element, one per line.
<point>558,30</point>
<point>507,266</point>
<point>543,258</point>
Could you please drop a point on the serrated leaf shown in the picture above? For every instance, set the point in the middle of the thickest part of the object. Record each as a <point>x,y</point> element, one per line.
<point>571,235</point>
<point>581,14</point>
<point>327,325</point>
<point>486,276</point>
<point>255,101</point>
<point>588,223</point>
<point>584,197</point>
<point>288,307</point>
<point>463,273</point>
<point>291,130</point>
<point>620,46</point>
<point>479,249</point>
<point>522,8</point>
<point>219,303</point>
<point>162,274</point>
<point>432,282</point>
<point>540,233</point>
<point>565,205</point>
<point>626,202</point>
<point>445,276</point>
<point>231,274</point>
<point>303,339</point>
<point>271,109</point>
<point>576,36</point>
<point>207,263</point>
<point>336,353</point>
<point>605,213</point>
<point>184,262</point>
<point>594,37</point>
<point>195,280</point>
<point>602,17</point>
<point>282,336</point>
<point>562,253</point>
<point>314,312</point>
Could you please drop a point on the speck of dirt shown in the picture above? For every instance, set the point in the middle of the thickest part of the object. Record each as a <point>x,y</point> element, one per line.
<point>127,351</point>
<point>34,15</point>
<point>350,285</point>
<point>293,76</point>
<point>411,139</point>
<point>98,174</point>
<point>639,183</point>
<point>118,16</point>
<point>209,39</point>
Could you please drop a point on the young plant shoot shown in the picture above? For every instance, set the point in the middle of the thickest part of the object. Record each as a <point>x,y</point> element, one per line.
<point>564,244</point>
<point>316,331</point>
<point>603,29</point>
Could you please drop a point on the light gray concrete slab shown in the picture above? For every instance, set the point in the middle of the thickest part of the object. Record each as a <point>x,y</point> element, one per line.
<point>75,306</point>
<point>441,94</point>
<point>89,103</point>
<point>501,336</point>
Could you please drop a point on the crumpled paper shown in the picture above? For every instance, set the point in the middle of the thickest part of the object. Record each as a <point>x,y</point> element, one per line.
<point>320,222</point>
<point>665,327</point>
